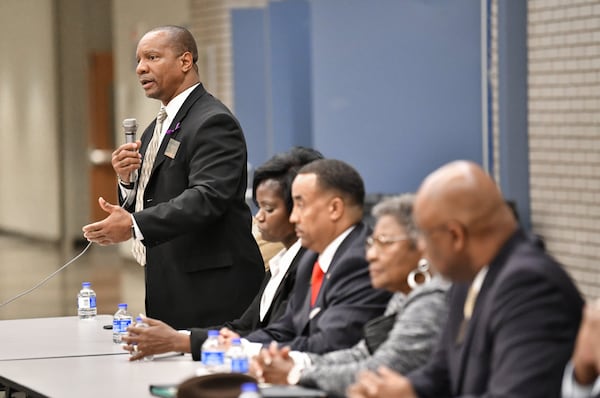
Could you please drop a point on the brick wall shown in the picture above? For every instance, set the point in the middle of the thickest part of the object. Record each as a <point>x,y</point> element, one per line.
<point>211,26</point>
<point>564,133</point>
<point>493,76</point>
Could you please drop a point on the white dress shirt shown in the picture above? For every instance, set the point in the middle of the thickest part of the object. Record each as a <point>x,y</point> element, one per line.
<point>572,389</point>
<point>326,257</point>
<point>278,265</point>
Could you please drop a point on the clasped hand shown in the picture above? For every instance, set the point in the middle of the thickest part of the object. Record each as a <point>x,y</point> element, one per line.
<point>272,364</point>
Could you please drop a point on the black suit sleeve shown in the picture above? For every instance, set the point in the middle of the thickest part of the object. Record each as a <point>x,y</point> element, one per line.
<point>529,338</point>
<point>243,325</point>
<point>350,301</point>
<point>536,324</point>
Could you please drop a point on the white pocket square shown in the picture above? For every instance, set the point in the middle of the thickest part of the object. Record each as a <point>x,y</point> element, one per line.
<point>314,312</point>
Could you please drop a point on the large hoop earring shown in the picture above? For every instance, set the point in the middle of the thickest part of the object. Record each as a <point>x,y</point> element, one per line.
<point>423,269</point>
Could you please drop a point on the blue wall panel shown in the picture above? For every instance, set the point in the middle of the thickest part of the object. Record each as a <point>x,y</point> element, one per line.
<point>289,43</point>
<point>396,86</point>
<point>512,99</point>
<point>250,80</point>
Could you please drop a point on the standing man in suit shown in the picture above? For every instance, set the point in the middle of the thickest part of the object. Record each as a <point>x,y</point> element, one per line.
<point>332,297</point>
<point>514,312</point>
<point>186,212</point>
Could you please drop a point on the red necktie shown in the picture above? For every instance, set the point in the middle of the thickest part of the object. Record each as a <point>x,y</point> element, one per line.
<point>315,281</point>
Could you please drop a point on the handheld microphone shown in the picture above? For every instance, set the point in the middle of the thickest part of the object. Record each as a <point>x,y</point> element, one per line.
<point>130,128</point>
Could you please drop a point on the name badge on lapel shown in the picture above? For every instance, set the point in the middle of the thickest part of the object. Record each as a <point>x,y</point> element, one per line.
<point>172,148</point>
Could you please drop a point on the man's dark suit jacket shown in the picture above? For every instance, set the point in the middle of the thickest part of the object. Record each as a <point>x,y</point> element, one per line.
<point>250,320</point>
<point>203,264</point>
<point>346,301</point>
<point>520,336</point>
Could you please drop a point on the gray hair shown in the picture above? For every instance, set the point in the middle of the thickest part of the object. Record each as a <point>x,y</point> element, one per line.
<point>401,208</point>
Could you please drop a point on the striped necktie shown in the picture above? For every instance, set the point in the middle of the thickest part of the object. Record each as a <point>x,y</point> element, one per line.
<point>138,249</point>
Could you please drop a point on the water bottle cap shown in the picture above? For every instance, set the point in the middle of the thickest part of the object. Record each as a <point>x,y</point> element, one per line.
<point>86,284</point>
<point>236,340</point>
<point>138,319</point>
<point>249,387</point>
<point>123,306</point>
<point>213,333</point>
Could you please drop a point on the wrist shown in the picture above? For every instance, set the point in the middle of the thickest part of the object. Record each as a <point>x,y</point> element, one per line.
<point>125,184</point>
<point>294,375</point>
<point>584,374</point>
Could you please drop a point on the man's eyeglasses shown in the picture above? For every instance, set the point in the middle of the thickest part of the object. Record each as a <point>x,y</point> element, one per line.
<point>382,240</point>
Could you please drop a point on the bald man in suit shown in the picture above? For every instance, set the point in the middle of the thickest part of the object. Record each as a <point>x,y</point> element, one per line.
<point>514,312</point>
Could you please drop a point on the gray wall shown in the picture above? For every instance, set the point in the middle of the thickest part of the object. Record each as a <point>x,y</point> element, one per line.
<point>30,194</point>
<point>44,171</point>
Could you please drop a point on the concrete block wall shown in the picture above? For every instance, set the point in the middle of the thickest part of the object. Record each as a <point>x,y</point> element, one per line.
<point>564,133</point>
<point>493,77</point>
<point>210,22</point>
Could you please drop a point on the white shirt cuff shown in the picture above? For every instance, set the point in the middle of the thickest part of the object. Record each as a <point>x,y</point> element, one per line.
<point>301,362</point>
<point>124,191</point>
<point>251,349</point>
<point>571,388</point>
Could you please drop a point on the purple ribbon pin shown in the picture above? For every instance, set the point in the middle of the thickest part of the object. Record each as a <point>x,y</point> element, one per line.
<point>169,131</point>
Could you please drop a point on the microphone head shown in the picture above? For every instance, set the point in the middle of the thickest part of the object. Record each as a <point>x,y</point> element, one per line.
<point>130,125</point>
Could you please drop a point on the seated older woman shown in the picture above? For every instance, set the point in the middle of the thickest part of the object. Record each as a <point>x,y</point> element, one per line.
<point>401,339</point>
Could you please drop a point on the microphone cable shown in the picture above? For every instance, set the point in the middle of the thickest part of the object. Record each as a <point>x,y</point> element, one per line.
<point>128,200</point>
<point>45,279</point>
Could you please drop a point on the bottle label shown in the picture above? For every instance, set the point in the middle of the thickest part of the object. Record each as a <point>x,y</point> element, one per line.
<point>239,365</point>
<point>92,301</point>
<point>121,325</point>
<point>84,302</point>
<point>213,358</point>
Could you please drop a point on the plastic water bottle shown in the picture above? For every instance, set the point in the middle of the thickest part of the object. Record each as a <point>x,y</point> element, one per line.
<point>141,324</point>
<point>238,357</point>
<point>121,322</point>
<point>86,302</point>
<point>213,353</point>
<point>249,390</point>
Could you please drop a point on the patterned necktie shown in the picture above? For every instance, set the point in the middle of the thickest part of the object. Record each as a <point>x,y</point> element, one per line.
<point>473,292</point>
<point>470,301</point>
<point>138,249</point>
<point>469,306</point>
<point>315,281</point>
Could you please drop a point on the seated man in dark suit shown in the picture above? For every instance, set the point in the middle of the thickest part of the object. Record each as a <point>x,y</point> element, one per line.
<point>271,191</point>
<point>514,312</point>
<point>333,297</point>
